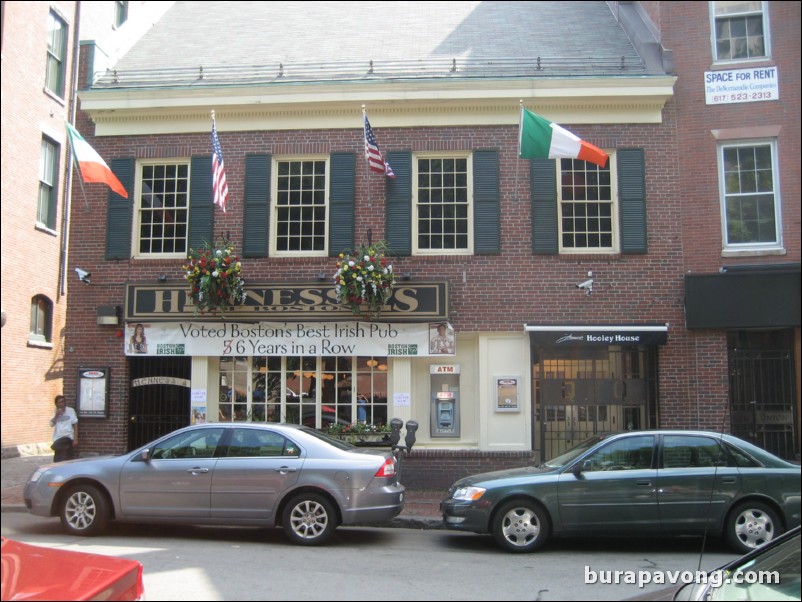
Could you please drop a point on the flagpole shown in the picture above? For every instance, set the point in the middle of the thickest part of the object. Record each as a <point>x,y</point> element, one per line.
<point>367,165</point>
<point>517,150</point>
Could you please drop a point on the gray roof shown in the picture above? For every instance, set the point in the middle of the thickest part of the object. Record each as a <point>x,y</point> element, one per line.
<point>248,42</point>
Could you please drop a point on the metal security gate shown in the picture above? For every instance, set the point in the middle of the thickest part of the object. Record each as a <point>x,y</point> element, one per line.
<point>596,390</point>
<point>160,397</point>
<point>762,399</point>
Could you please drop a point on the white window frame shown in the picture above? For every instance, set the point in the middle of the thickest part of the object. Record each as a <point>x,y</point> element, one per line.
<point>764,11</point>
<point>274,207</point>
<point>41,326</point>
<point>751,248</point>
<point>48,182</point>
<point>57,88</point>
<point>614,210</point>
<point>416,249</point>
<point>137,218</point>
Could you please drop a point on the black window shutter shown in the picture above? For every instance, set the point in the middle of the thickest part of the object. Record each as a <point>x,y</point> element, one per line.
<point>120,211</point>
<point>543,179</point>
<point>341,202</point>
<point>398,213</point>
<point>486,235</point>
<point>256,226</point>
<point>201,209</point>
<point>632,199</point>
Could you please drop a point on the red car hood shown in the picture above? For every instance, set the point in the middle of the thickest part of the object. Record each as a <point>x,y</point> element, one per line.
<point>38,573</point>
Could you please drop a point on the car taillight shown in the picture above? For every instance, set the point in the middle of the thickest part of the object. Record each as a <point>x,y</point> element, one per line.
<point>387,469</point>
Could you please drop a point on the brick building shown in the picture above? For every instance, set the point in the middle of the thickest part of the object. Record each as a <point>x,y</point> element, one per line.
<point>39,46</point>
<point>562,284</point>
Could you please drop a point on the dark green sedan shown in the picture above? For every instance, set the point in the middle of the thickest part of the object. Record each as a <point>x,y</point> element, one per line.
<point>655,483</point>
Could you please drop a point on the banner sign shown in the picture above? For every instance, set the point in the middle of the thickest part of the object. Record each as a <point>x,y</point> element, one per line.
<point>566,336</point>
<point>377,339</point>
<point>410,302</point>
<point>741,85</point>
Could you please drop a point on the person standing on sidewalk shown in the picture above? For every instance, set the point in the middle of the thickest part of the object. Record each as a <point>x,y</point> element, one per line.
<point>65,430</point>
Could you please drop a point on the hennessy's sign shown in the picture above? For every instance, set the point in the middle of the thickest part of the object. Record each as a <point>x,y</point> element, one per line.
<point>285,301</point>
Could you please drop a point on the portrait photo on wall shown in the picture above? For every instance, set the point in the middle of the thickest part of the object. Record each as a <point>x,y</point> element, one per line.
<point>138,342</point>
<point>441,339</point>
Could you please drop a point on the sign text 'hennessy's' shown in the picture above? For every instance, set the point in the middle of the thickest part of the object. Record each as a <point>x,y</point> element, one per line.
<point>412,302</point>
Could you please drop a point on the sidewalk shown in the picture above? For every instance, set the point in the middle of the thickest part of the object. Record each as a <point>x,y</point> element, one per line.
<point>421,510</point>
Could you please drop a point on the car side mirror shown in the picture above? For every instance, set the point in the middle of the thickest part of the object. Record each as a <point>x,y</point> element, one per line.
<point>579,467</point>
<point>145,455</point>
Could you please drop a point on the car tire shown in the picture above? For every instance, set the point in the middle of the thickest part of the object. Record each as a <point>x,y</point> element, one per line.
<point>85,510</point>
<point>309,519</point>
<point>750,525</point>
<point>521,526</point>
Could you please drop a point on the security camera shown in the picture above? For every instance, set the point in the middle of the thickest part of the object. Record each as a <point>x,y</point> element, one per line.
<point>587,285</point>
<point>83,275</point>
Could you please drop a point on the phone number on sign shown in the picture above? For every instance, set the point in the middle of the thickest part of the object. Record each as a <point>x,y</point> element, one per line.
<point>743,96</point>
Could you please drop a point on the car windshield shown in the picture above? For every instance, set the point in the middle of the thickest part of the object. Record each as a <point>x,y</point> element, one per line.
<point>573,453</point>
<point>774,575</point>
<point>344,445</point>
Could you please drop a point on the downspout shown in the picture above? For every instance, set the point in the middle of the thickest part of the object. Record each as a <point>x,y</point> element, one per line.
<point>65,217</point>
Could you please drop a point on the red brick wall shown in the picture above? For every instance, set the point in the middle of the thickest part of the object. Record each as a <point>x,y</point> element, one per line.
<point>32,376</point>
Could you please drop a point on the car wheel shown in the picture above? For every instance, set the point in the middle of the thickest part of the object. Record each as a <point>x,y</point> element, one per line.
<point>309,519</point>
<point>85,510</point>
<point>521,526</point>
<point>750,525</point>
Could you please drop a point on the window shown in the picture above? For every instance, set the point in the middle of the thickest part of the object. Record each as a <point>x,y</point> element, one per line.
<point>300,210</point>
<point>195,444</point>
<point>632,453</point>
<point>162,219</point>
<point>48,184</point>
<point>314,391</point>
<point>56,55</point>
<point>442,200</point>
<point>252,443</point>
<point>587,209</point>
<point>749,205</point>
<point>41,320</point>
<point>740,30</point>
<point>120,13</point>
<point>680,451</point>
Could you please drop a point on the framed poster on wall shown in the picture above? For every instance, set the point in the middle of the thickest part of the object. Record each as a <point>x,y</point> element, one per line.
<point>93,392</point>
<point>507,395</point>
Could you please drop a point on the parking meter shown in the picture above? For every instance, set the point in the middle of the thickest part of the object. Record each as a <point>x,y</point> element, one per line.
<point>412,426</point>
<point>395,431</point>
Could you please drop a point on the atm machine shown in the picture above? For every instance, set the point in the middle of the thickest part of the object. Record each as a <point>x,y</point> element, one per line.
<point>444,388</point>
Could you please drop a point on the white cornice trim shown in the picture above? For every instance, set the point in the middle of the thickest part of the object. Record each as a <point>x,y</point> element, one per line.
<point>397,104</point>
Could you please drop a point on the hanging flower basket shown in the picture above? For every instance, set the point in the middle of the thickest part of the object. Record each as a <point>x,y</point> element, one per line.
<point>215,278</point>
<point>364,279</point>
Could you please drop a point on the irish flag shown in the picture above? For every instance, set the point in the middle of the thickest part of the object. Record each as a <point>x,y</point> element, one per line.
<point>93,167</point>
<point>539,138</point>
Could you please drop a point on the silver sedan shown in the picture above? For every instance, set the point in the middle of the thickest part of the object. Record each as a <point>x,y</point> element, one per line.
<point>225,474</point>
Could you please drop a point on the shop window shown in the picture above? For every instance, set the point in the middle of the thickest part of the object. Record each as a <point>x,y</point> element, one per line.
<point>314,391</point>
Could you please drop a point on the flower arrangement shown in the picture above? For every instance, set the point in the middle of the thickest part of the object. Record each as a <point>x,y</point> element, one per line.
<point>364,278</point>
<point>215,277</point>
<point>359,431</point>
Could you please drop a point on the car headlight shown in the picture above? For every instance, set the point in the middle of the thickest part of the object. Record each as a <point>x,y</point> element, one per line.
<point>468,494</point>
<point>37,474</point>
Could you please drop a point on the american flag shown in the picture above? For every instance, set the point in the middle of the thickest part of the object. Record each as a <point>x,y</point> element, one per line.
<point>219,184</point>
<point>374,156</point>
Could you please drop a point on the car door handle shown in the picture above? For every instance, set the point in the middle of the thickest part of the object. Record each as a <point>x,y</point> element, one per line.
<point>728,479</point>
<point>286,469</point>
<point>643,483</point>
<point>198,470</point>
